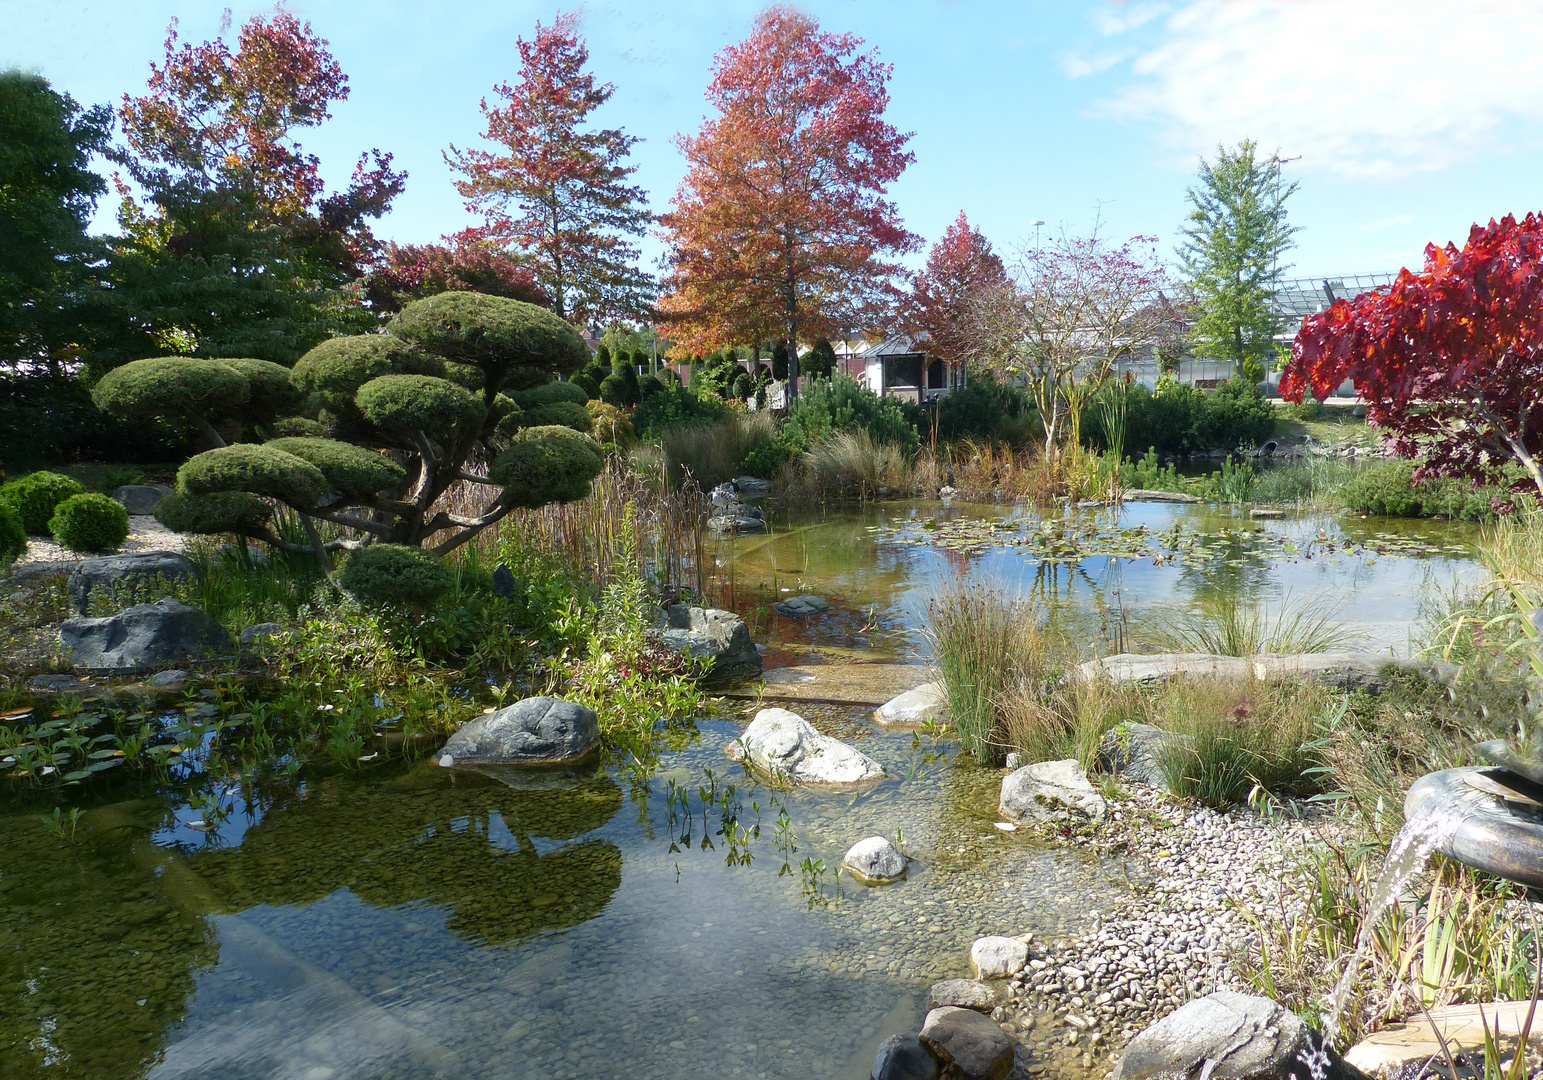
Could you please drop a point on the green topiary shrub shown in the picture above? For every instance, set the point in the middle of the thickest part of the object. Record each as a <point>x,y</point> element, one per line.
<point>557,414</point>
<point>395,574</point>
<point>551,393</point>
<point>34,497</point>
<point>90,522</point>
<point>261,470</point>
<point>547,464</point>
<point>412,403</point>
<point>744,385</point>
<point>613,391</point>
<point>518,345</point>
<point>351,471</point>
<point>13,538</point>
<point>202,390</point>
<point>341,365</point>
<point>220,512</point>
<point>590,386</point>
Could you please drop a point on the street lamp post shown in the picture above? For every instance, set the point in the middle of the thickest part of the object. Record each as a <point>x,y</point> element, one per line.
<point>1036,225</point>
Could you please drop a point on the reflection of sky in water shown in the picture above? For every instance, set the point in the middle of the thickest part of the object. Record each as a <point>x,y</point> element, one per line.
<point>1379,595</point>
<point>688,968</point>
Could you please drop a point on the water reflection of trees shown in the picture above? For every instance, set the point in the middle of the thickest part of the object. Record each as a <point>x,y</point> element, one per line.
<point>102,940</point>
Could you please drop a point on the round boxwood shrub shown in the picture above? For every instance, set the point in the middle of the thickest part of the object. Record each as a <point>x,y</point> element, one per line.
<point>13,538</point>
<point>351,471</point>
<point>547,464</point>
<point>341,365</point>
<point>90,522</point>
<point>590,386</point>
<point>613,391</point>
<point>551,393</point>
<point>260,470</point>
<point>395,574</point>
<point>218,512</point>
<point>35,496</point>
<point>419,403</point>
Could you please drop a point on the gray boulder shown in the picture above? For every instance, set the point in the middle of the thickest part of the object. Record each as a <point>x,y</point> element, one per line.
<point>1148,495</point>
<point>914,706</point>
<point>998,957</point>
<point>534,731</point>
<point>874,861</point>
<point>1135,751</point>
<point>257,631</point>
<point>752,487</point>
<point>1231,1036</point>
<point>904,1057</point>
<point>801,607</point>
<point>971,1045</point>
<point>721,636</point>
<point>170,679</point>
<point>140,499</point>
<point>966,994</point>
<point>55,684</point>
<point>735,521</point>
<point>787,746</point>
<point>143,638</point>
<point>1052,792</point>
<point>134,576</point>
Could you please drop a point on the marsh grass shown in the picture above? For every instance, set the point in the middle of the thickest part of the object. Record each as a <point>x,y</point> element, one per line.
<point>1050,720</point>
<point>709,454</point>
<point>1229,625</point>
<point>1308,483</point>
<point>853,464</point>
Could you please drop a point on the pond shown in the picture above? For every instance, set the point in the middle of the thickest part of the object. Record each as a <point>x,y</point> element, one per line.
<point>683,921</point>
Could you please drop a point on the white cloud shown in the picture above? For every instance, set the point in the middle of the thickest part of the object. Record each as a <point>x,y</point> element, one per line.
<point>1079,66</point>
<point>1366,89</point>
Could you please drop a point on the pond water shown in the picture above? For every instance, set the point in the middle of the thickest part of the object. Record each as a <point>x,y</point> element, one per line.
<point>679,922</point>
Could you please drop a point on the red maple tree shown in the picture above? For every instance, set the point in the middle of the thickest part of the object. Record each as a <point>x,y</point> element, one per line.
<point>411,271</point>
<point>558,191</point>
<point>1450,359</point>
<point>960,267</point>
<point>781,226</point>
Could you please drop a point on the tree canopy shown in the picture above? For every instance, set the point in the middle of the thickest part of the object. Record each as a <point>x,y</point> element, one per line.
<point>960,268</point>
<point>1449,359</point>
<point>781,226</point>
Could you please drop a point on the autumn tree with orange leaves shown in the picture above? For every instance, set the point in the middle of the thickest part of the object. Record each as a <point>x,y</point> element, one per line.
<point>781,227</point>
<point>960,268</point>
<point>557,192</point>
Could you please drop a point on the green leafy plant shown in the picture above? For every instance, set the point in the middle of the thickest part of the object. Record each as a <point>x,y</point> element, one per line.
<point>34,497</point>
<point>90,522</point>
<point>13,537</point>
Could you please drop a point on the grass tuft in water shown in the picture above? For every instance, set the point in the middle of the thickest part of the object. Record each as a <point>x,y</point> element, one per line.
<point>1232,626</point>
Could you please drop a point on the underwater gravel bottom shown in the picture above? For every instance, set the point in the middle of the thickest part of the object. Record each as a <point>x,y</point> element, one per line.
<point>423,923</point>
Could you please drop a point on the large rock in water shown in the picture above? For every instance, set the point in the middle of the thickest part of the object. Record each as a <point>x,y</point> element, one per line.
<point>874,861</point>
<point>135,576</point>
<point>914,706</point>
<point>140,499</point>
<point>719,635</point>
<point>786,745</point>
<point>143,638</point>
<point>535,731</point>
<point>903,1057</point>
<point>1052,792</point>
<point>1232,1036</point>
<point>966,994</point>
<point>971,1044</point>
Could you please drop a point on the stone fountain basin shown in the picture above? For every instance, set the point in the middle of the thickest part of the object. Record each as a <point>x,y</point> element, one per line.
<point>1501,830</point>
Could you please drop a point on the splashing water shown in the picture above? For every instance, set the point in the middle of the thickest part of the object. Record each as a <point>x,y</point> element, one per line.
<point>1412,848</point>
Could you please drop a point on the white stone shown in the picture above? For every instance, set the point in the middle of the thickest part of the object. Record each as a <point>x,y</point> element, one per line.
<point>788,746</point>
<point>1049,791</point>
<point>998,957</point>
<point>914,706</point>
<point>874,861</point>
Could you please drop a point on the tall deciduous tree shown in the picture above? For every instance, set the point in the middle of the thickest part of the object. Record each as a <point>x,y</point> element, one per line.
<point>408,272</point>
<point>238,250</point>
<point>559,191</point>
<point>781,226</point>
<point>1450,359</point>
<point>1069,312</point>
<point>47,195</point>
<point>1234,238</point>
<point>960,268</point>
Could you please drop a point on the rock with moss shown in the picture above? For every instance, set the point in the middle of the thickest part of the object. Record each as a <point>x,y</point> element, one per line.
<point>396,574</point>
<point>34,497</point>
<point>90,522</point>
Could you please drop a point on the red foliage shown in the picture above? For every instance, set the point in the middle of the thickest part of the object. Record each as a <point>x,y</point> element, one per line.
<point>557,192</point>
<point>1450,359</point>
<point>411,271</point>
<point>781,225</point>
<point>959,267</point>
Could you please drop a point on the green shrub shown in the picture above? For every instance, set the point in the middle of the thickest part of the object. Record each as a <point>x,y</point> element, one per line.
<point>13,537</point>
<point>557,414</point>
<point>628,374</point>
<point>351,471</point>
<point>219,512</point>
<point>1309,408</point>
<point>341,365</point>
<point>261,470</point>
<point>547,464</point>
<point>551,393</point>
<point>673,406</point>
<point>34,497</point>
<point>844,404</point>
<point>395,574</point>
<point>522,345</point>
<point>744,385</point>
<point>90,522</point>
<point>1148,475</point>
<point>987,410</point>
<point>270,389</point>
<point>613,391</point>
<point>1183,419</point>
<point>589,385</point>
<point>406,403</point>
<point>165,385</point>
<point>1389,488</point>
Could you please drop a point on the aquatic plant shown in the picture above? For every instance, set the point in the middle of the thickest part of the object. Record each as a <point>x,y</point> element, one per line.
<point>852,464</point>
<point>1231,625</point>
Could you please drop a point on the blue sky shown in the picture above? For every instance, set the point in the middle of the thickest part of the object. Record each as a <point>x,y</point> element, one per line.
<point>1413,118</point>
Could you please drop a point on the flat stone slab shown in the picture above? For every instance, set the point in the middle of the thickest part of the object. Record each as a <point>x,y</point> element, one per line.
<point>1347,670</point>
<point>837,684</point>
<point>974,994</point>
<point>1148,495</point>
<point>917,706</point>
<point>1415,1040</point>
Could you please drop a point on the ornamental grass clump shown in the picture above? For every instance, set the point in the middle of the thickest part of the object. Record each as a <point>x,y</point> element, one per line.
<point>34,497</point>
<point>90,522</point>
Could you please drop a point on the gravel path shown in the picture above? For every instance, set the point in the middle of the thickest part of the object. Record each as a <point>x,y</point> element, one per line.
<point>145,534</point>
